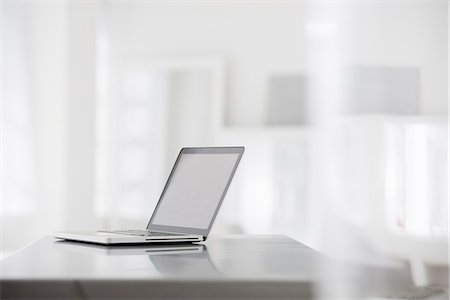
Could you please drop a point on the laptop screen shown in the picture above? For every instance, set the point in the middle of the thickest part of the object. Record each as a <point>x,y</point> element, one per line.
<point>195,189</point>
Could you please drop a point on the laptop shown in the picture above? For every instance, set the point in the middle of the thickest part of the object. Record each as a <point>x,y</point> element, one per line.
<point>188,204</point>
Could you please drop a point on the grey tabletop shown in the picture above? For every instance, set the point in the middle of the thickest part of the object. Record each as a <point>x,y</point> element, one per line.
<point>225,267</point>
<point>267,266</point>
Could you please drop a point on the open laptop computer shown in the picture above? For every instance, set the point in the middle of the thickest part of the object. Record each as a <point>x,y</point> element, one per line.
<point>188,204</point>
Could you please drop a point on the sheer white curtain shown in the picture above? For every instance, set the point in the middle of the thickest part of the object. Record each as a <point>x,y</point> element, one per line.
<point>48,101</point>
<point>18,177</point>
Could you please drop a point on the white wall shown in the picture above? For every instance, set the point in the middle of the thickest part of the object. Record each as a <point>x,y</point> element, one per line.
<point>402,34</point>
<point>261,39</point>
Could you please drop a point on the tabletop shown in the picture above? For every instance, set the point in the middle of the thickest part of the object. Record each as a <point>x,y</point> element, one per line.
<point>224,267</point>
<point>266,266</point>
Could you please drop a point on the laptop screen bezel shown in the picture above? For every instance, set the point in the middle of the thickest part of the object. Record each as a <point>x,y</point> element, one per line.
<point>202,150</point>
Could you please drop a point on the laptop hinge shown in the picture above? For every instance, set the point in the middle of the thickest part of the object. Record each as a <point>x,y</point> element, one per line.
<point>180,233</point>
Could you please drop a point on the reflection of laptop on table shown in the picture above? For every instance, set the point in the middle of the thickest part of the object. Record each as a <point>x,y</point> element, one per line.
<point>188,204</point>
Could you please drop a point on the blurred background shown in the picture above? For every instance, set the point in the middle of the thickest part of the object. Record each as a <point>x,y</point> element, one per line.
<point>342,108</point>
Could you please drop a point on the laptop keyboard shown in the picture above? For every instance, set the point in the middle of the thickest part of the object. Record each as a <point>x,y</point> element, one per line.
<point>140,232</point>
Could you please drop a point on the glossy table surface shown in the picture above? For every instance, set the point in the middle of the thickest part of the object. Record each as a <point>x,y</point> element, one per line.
<point>262,266</point>
<point>225,267</point>
<point>233,257</point>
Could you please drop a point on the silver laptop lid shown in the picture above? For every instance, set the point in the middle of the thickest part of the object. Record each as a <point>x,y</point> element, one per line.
<point>195,190</point>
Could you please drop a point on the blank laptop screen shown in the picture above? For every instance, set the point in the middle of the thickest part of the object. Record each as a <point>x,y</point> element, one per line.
<point>195,189</point>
